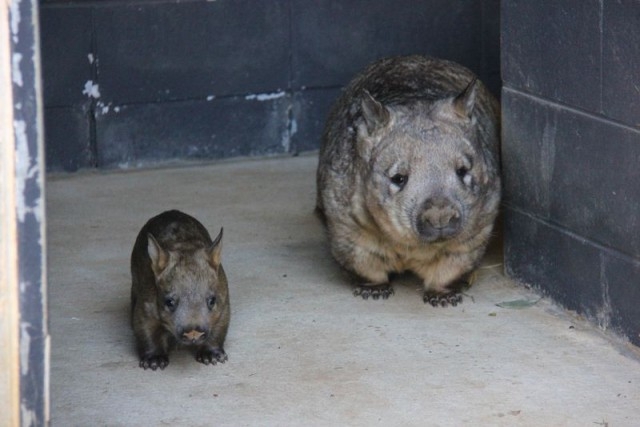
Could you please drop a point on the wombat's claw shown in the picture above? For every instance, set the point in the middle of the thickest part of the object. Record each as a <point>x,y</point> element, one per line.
<point>211,356</point>
<point>154,362</point>
<point>375,291</point>
<point>442,300</point>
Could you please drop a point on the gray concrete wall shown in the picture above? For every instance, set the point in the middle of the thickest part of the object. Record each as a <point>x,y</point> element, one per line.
<point>571,149</point>
<point>132,82</point>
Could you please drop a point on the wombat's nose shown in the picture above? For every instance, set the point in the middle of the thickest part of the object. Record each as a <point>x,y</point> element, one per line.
<point>193,334</point>
<point>439,218</point>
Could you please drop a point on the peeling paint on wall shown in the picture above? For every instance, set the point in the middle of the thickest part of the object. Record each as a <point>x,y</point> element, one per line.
<point>603,316</point>
<point>14,10</point>
<point>293,127</point>
<point>28,417</point>
<point>102,108</point>
<point>24,171</point>
<point>16,75</point>
<point>265,96</point>
<point>25,343</point>
<point>92,90</point>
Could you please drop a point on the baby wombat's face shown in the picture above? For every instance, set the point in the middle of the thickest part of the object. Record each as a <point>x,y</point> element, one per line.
<point>425,177</point>
<point>189,291</point>
<point>187,297</point>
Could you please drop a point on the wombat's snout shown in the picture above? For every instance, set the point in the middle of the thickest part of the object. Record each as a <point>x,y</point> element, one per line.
<point>438,219</point>
<point>192,334</point>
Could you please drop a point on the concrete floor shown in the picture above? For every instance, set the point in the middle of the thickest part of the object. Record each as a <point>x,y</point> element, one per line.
<point>302,350</point>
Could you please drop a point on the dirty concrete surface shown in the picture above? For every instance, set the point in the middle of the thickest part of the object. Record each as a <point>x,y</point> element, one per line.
<point>302,350</point>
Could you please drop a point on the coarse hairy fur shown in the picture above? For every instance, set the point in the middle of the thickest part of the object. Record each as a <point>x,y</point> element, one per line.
<point>179,291</point>
<point>409,175</point>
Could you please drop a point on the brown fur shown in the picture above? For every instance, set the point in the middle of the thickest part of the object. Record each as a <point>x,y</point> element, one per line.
<point>179,291</point>
<point>408,175</point>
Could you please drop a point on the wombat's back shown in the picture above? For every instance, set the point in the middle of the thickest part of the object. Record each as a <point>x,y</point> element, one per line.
<point>174,230</point>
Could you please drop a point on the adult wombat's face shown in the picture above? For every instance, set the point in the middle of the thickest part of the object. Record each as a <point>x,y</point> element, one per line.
<point>424,181</point>
<point>422,167</point>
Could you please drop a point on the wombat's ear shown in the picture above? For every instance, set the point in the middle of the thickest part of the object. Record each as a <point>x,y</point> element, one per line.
<point>374,114</point>
<point>215,251</point>
<point>159,257</point>
<point>464,103</point>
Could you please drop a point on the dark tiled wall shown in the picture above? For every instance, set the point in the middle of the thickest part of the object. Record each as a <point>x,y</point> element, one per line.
<point>571,150</point>
<point>130,82</point>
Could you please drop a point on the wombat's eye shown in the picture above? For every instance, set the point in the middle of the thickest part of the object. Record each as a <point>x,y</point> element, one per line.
<point>462,171</point>
<point>171,303</point>
<point>399,180</point>
<point>211,301</point>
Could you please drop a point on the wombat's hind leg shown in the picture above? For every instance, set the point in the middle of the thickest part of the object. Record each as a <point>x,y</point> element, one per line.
<point>207,354</point>
<point>373,291</point>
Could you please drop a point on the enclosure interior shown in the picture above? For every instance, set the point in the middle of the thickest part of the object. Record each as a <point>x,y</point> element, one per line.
<point>130,86</point>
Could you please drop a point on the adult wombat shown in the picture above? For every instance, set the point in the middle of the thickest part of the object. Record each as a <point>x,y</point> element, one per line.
<point>408,176</point>
<point>179,291</point>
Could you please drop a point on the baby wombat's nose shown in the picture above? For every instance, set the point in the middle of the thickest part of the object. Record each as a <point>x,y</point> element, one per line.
<point>193,334</point>
<point>439,217</point>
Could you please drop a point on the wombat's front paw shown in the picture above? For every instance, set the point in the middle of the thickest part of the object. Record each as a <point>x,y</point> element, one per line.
<point>211,355</point>
<point>154,361</point>
<point>439,299</point>
<point>373,291</point>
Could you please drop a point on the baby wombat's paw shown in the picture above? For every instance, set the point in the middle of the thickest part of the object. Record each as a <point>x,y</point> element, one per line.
<point>373,291</point>
<point>211,355</point>
<point>442,299</point>
<point>154,361</point>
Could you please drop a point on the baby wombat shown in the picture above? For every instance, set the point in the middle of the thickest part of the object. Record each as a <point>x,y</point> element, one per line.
<point>408,176</point>
<point>179,291</point>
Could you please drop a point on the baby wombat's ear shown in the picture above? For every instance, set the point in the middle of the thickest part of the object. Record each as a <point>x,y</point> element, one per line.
<point>159,257</point>
<point>215,251</point>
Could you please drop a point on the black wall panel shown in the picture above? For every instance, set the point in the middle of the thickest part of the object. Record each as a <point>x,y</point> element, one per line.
<point>309,110</point>
<point>621,61</point>
<point>167,79</point>
<point>565,167</point>
<point>66,44</point>
<point>540,254</point>
<point>68,62</point>
<point>191,130</point>
<point>571,149</point>
<point>331,40</point>
<point>70,128</point>
<point>158,52</point>
<point>552,49</point>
